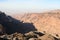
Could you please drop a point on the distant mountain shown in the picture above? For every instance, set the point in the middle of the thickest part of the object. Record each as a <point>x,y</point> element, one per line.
<point>48,22</point>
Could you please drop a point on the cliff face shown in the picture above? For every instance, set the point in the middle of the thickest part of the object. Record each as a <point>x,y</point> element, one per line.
<point>48,22</point>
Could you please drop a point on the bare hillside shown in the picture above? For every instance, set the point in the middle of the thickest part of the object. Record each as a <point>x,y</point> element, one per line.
<point>48,22</point>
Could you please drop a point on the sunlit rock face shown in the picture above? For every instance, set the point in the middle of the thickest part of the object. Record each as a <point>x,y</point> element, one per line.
<point>33,35</point>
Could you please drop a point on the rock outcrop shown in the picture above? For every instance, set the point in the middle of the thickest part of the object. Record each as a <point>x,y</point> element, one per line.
<point>33,35</point>
<point>12,25</point>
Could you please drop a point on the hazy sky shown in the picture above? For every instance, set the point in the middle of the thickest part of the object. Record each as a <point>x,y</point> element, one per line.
<point>28,5</point>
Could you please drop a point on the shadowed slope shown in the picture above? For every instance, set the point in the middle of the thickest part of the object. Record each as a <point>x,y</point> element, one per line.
<point>12,25</point>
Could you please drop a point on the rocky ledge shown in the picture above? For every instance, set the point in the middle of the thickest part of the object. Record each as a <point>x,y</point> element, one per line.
<point>33,35</point>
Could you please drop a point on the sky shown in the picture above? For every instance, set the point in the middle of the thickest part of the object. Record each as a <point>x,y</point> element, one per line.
<point>16,6</point>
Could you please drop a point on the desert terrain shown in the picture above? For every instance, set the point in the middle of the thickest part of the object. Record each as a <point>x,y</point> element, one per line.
<point>30,26</point>
<point>48,22</point>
